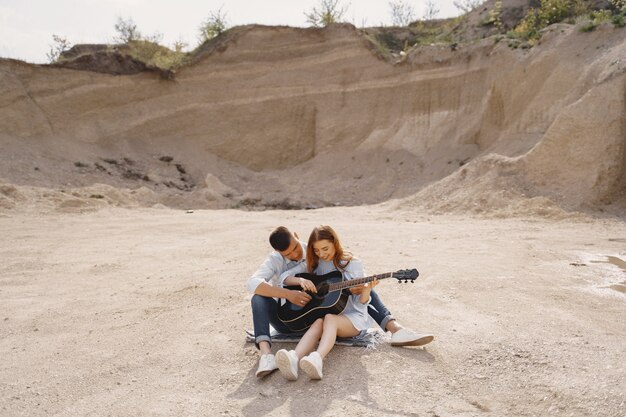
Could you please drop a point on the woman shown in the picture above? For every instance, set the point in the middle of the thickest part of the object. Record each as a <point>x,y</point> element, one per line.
<point>324,255</point>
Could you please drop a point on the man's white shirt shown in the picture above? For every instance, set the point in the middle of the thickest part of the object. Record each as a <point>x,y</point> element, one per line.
<point>271,269</point>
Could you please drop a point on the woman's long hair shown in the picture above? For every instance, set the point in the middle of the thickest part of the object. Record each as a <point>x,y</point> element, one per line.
<point>341,258</point>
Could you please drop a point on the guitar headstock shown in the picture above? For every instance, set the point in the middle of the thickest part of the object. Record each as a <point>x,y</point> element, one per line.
<point>406,275</point>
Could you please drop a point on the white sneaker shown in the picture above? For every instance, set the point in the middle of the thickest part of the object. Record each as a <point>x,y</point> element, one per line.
<point>312,365</point>
<point>287,362</point>
<point>406,337</point>
<point>267,365</point>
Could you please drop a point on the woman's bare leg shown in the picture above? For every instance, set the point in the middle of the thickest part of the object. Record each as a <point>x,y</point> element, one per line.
<point>310,339</point>
<point>334,326</point>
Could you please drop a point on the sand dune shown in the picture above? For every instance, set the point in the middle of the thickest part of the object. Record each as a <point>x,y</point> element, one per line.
<point>277,110</point>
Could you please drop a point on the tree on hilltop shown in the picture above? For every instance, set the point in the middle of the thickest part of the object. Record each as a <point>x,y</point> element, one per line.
<point>59,46</point>
<point>126,30</point>
<point>213,25</point>
<point>467,6</point>
<point>432,10</point>
<point>327,12</point>
<point>402,13</point>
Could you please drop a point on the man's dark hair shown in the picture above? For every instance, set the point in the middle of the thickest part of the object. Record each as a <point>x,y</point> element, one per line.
<point>280,238</point>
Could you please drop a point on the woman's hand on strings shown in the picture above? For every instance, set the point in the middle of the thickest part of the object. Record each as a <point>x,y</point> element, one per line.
<point>360,288</point>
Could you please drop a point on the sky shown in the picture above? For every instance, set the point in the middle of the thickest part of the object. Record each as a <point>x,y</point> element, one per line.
<point>27,26</point>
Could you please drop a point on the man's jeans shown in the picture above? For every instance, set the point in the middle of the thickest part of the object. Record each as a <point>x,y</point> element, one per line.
<point>378,311</point>
<point>265,312</point>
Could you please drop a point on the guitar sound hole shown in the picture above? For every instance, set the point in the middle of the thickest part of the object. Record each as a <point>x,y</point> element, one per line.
<point>322,291</point>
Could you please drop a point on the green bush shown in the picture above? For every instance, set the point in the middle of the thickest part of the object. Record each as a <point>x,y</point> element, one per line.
<point>327,12</point>
<point>580,7</point>
<point>494,15</point>
<point>588,27</point>
<point>601,16</point>
<point>596,19</point>
<point>529,27</point>
<point>555,11</point>
<point>147,48</point>
<point>214,25</point>
<point>618,5</point>
<point>156,55</point>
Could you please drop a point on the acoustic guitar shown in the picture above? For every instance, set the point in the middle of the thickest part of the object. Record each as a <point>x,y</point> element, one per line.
<point>331,297</point>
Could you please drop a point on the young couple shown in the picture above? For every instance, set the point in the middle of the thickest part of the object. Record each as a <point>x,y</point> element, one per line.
<point>322,254</point>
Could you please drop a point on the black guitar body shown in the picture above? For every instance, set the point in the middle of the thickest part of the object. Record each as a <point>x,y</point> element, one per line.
<point>300,318</point>
<point>331,298</point>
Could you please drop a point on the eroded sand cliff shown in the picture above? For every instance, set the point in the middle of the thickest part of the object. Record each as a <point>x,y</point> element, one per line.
<point>286,117</point>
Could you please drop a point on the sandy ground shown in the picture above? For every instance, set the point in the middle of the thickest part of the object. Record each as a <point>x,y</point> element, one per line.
<point>143,312</point>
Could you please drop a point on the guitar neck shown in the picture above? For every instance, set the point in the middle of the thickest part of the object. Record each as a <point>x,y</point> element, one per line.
<point>359,281</point>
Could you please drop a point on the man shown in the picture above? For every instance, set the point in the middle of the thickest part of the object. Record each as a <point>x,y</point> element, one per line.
<point>289,252</point>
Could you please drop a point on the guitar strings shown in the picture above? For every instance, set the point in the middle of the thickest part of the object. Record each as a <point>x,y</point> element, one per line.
<point>354,282</point>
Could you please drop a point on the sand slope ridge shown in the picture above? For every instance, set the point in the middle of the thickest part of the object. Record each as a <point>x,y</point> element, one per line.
<point>312,117</point>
